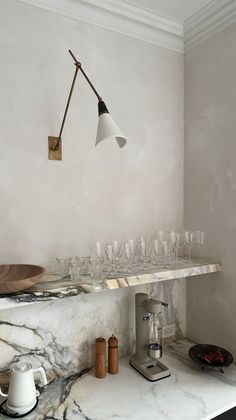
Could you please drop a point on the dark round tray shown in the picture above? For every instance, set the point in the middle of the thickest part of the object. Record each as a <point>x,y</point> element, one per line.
<point>196,352</point>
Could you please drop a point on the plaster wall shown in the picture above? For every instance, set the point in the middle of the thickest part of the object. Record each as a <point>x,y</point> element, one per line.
<point>210,183</point>
<point>51,209</point>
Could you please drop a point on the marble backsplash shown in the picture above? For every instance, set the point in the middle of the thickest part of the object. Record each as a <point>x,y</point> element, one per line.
<point>59,335</point>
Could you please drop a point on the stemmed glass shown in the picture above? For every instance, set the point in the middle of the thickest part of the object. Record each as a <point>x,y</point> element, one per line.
<point>174,239</point>
<point>98,249</point>
<point>188,241</point>
<point>157,251</point>
<point>132,247</point>
<point>128,253</point>
<point>165,248</point>
<point>144,249</point>
<point>165,256</point>
<point>113,253</point>
<point>162,248</point>
<point>109,252</point>
<point>117,251</point>
<point>200,240</point>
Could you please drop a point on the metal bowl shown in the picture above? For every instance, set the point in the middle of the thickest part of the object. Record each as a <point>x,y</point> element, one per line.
<point>17,277</point>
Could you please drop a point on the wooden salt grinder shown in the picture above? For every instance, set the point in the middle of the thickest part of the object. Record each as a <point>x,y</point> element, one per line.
<point>100,357</point>
<point>113,355</point>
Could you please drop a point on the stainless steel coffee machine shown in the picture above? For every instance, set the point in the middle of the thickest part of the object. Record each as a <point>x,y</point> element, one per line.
<point>146,360</point>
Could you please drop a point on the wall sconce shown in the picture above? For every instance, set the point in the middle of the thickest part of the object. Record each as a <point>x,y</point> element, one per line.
<point>107,127</point>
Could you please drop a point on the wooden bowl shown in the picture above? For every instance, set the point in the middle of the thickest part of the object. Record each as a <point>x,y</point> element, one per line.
<point>17,277</point>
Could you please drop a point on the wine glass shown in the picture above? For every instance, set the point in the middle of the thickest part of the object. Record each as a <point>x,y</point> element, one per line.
<point>109,253</point>
<point>118,252</point>
<point>128,255</point>
<point>165,253</point>
<point>155,249</point>
<point>98,249</point>
<point>174,239</point>
<point>132,246</point>
<point>200,240</point>
<point>188,242</point>
<point>144,249</point>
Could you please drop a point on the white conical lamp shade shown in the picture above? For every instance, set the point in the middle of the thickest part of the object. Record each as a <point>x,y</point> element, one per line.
<point>107,128</point>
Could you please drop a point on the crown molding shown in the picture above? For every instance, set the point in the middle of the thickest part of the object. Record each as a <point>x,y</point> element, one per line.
<point>120,16</point>
<point>217,15</point>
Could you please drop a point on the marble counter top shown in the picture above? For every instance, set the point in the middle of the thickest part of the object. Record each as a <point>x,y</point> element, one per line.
<point>52,287</point>
<point>188,394</point>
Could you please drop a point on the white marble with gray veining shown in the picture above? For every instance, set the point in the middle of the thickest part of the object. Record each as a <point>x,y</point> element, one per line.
<point>52,288</point>
<point>60,334</point>
<point>188,394</point>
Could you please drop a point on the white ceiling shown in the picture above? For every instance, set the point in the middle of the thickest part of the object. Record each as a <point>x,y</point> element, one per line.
<point>177,9</point>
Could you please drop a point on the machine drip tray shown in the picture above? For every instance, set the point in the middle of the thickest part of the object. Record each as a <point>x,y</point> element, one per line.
<point>152,370</point>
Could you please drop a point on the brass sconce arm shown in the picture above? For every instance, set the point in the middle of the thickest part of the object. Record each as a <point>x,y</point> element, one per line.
<point>106,128</point>
<point>78,65</point>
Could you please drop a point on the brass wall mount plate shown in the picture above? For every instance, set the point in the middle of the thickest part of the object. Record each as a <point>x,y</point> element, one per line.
<point>57,153</point>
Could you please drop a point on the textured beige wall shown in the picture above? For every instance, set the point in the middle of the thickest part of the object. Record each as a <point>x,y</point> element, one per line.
<point>210,183</point>
<point>54,208</point>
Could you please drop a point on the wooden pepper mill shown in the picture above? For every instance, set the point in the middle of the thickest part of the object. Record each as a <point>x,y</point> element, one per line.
<point>100,357</point>
<point>113,355</point>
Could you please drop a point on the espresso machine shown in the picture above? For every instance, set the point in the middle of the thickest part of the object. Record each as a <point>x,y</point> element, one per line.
<point>146,360</point>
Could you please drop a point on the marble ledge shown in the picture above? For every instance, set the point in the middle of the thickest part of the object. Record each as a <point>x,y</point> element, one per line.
<point>189,393</point>
<point>52,287</point>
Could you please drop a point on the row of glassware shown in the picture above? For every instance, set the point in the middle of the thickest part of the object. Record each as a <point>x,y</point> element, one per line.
<point>116,257</point>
